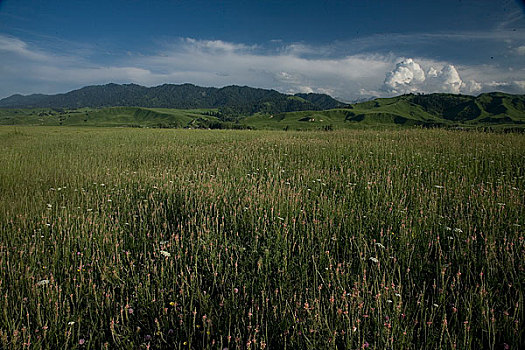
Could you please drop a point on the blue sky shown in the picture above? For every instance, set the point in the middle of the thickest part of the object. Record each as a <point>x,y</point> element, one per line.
<point>349,49</point>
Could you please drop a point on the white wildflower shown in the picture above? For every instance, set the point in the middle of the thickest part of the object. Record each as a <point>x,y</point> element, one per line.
<point>165,253</point>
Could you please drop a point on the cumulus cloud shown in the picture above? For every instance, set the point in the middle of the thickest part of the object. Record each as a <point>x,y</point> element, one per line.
<point>406,77</point>
<point>446,80</point>
<point>471,87</point>
<point>409,76</point>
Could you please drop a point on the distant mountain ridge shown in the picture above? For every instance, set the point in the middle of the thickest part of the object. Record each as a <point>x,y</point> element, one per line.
<point>241,99</point>
<point>192,106</point>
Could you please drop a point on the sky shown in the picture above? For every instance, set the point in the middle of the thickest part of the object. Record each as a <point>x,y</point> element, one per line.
<point>349,49</point>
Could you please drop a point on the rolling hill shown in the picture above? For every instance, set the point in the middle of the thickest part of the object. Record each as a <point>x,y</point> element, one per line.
<point>492,110</point>
<point>185,106</point>
<point>117,116</point>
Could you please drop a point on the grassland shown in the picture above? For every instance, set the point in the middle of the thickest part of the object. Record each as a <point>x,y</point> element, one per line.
<point>187,239</point>
<point>108,117</point>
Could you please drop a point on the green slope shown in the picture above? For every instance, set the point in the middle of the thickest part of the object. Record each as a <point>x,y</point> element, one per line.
<point>113,116</point>
<point>497,111</point>
<point>494,111</point>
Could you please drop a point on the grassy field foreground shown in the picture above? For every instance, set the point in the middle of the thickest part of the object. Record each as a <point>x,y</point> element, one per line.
<point>142,238</point>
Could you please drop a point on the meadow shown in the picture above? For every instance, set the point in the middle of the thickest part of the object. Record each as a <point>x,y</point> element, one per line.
<point>129,238</point>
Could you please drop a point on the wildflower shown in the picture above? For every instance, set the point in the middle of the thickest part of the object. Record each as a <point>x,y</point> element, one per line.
<point>439,186</point>
<point>130,311</point>
<point>380,245</point>
<point>71,323</point>
<point>374,259</point>
<point>43,283</point>
<point>81,341</point>
<point>165,253</point>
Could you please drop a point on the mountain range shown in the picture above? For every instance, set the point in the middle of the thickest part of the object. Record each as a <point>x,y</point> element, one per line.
<point>192,106</point>
<point>241,99</point>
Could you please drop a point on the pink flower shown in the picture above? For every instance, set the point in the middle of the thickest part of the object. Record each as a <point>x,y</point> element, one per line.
<point>81,341</point>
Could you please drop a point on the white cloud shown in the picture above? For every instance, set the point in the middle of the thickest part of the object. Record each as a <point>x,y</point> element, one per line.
<point>202,62</point>
<point>520,84</point>
<point>10,45</point>
<point>445,80</point>
<point>471,87</point>
<point>406,77</point>
<point>287,68</point>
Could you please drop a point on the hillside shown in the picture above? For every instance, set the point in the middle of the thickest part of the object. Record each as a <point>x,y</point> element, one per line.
<point>117,116</point>
<point>241,107</point>
<point>234,100</point>
<point>492,110</point>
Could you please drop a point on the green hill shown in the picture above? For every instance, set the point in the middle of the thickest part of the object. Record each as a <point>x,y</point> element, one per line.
<point>496,111</point>
<point>116,116</point>
<point>231,100</point>
<point>492,110</point>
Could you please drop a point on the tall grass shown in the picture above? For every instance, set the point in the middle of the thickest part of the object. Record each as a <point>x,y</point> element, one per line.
<point>126,238</point>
